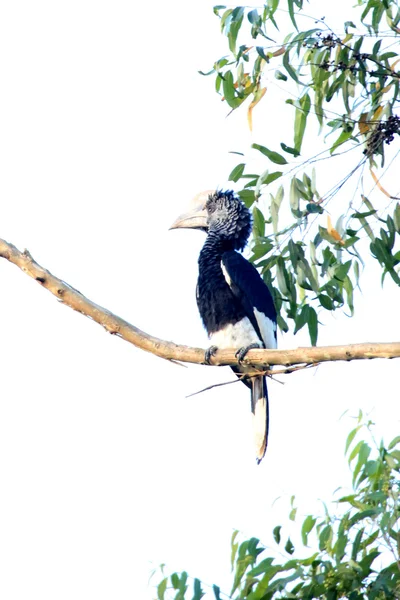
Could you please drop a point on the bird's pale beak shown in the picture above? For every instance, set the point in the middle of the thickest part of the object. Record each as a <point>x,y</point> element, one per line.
<point>196,216</point>
<point>195,219</point>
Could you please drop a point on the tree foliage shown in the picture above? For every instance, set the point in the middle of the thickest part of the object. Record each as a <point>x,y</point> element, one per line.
<point>343,84</point>
<point>353,552</point>
<point>346,83</point>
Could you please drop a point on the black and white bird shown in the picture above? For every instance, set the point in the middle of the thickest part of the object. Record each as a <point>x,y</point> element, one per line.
<point>235,305</point>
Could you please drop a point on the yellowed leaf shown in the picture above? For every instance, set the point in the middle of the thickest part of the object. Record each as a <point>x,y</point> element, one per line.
<point>378,184</point>
<point>279,52</point>
<point>257,97</point>
<point>333,232</point>
<point>377,113</point>
<point>387,88</point>
<point>394,64</point>
<point>363,127</point>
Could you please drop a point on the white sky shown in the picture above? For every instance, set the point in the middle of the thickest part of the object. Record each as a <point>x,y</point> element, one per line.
<point>106,470</point>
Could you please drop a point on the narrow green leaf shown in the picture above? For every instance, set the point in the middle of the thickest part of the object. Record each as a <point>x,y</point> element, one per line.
<point>343,137</point>
<point>300,120</point>
<point>198,592</point>
<point>234,548</point>
<point>234,27</point>
<point>290,150</point>
<point>237,172</point>
<point>275,206</point>
<point>217,592</point>
<point>289,68</point>
<point>325,538</point>
<point>276,532</point>
<point>291,12</point>
<point>294,197</point>
<point>313,326</point>
<point>161,589</point>
<point>258,222</point>
<point>394,442</point>
<point>273,156</point>
<point>340,547</point>
<point>308,525</point>
<point>350,438</point>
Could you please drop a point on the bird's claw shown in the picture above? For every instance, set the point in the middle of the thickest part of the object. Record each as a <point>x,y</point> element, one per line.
<point>241,353</point>
<point>208,354</point>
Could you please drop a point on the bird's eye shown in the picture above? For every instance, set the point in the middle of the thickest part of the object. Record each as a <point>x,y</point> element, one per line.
<point>211,207</point>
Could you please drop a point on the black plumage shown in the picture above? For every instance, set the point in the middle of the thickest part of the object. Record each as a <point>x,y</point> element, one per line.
<point>235,305</point>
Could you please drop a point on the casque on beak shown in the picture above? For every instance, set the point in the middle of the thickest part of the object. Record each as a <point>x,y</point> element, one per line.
<point>196,216</point>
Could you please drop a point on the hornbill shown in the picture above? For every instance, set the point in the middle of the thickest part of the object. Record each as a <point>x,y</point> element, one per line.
<point>235,305</point>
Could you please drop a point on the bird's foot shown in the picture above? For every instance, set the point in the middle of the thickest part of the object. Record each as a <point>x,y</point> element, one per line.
<point>209,353</point>
<point>241,353</point>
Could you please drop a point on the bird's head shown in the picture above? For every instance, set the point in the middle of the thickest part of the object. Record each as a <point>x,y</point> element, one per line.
<point>221,213</point>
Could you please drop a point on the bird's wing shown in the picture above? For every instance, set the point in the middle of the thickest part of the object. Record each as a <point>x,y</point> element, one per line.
<point>255,297</point>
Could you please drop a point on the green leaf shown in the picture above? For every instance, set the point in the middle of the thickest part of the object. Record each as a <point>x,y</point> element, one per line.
<point>340,547</point>
<point>258,222</point>
<point>234,27</point>
<point>273,156</point>
<point>229,91</point>
<point>198,592</point>
<point>313,326</point>
<point>290,150</point>
<point>289,546</point>
<point>351,437</point>
<point>217,592</point>
<point>275,205</point>
<point>288,66</point>
<point>237,172</point>
<point>276,532</point>
<point>234,548</point>
<point>343,137</point>
<point>261,53</point>
<point>161,589</point>
<point>325,538</point>
<point>300,120</point>
<point>217,8</point>
<point>294,197</point>
<point>280,76</point>
<point>248,197</point>
<point>394,442</point>
<point>356,544</point>
<point>291,12</point>
<point>308,525</point>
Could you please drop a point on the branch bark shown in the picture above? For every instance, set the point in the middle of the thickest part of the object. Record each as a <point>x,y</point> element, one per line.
<point>171,351</point>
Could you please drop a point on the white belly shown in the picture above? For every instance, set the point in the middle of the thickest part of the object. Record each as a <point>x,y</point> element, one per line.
<point>239,335</point>
<point>242,333</point>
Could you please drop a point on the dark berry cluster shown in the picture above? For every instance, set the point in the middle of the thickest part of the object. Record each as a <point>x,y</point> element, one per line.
<point>389,128</point>
<point>384,132</point>
<point>328,65</point>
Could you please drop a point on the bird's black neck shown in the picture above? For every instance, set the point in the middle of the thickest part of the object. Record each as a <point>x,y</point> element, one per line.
<point>217,304</point>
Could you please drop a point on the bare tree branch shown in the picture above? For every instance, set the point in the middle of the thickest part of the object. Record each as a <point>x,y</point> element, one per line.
<point>170,351</point>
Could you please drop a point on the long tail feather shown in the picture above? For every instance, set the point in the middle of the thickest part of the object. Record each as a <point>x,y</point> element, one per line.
<point>260,409</point>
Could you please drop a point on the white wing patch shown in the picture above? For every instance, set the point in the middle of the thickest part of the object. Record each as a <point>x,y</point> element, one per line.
<point>243,333</point>
<point>226,275</point>
<point>267,329</point>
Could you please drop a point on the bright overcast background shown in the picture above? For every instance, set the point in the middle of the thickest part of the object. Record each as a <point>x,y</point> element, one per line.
<point>106,469</point>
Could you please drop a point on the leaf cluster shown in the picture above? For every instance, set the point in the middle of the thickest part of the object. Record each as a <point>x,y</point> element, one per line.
<point>348,84</point>
<point>352,554</point>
